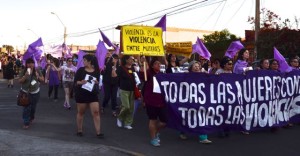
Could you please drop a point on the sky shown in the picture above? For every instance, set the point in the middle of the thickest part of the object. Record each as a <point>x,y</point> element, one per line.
<point>23,21</point>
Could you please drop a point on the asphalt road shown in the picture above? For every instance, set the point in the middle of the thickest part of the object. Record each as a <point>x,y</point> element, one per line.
<point>55,123</point>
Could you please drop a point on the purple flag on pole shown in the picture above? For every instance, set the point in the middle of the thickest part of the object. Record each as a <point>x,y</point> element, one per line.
<point>106,40</point>
<point>33,49</point>
<point>162,23</point>
<point>67,51</point>
<point>80,59</point>
<point>200,48</point>
<point>233,48</point>
<point>283,65</point>
<point>100,54</point>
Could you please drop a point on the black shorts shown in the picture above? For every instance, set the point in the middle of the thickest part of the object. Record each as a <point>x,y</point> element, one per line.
<point>155,113</point>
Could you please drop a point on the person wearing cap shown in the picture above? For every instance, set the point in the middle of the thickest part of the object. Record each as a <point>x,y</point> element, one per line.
<point>110,83</point>
<point>30,79</point>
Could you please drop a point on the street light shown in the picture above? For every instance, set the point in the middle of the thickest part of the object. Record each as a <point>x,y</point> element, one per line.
<point>65,28</point>
<point>33,32</point>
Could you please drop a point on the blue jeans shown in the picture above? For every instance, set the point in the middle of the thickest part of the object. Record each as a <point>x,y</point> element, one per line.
<point>29,111</point>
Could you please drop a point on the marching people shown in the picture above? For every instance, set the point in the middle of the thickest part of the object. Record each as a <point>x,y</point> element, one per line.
<point>155,103</point>
<point>10,73</point>
<point>195,67</point>
<point>30,79</point>
<point>226,65</point>
<point>68,73</point>
<point>86,93</point>
<point>241,66</point>
<point>110,83</point>
<point>53,78</point>
<point>127,85</point>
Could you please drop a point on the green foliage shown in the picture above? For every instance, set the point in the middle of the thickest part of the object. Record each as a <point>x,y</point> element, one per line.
<point>218,42</point>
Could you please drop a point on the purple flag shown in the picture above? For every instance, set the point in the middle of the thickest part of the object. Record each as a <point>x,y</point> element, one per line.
<point>200,48</point>
<point>35,62</point>
<point>162,23</point>
<point>233,48</point>
<point>106,40</point>
<point>283,65</point>
<point>67,51</point>
<point>33,49</point>
<point>101,53</point>
<point>80,59</point>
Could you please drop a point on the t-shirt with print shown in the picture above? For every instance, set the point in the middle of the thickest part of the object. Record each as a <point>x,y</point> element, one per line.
<point>68,73</point>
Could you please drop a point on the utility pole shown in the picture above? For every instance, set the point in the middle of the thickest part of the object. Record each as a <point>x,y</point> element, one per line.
<point>257,26</point>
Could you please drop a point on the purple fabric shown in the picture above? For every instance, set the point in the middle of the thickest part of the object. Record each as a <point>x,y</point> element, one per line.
<point>200,48</point>
<point>53,78</point>
<point>233,48</point>
<point>202,103</point>
<point>33,50</point>
<point>162,23</point>
<point>101,54</point>
<point>239,66</point>
<point>67,51</point>
<point>106,40</point>
<point>80,59</point>
<point>43,62</point>
<point>283,65</point>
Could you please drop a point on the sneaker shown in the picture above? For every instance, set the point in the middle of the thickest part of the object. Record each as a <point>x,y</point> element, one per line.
<point>114,114</point>
<point>128,127</point>
<point>206,141</point>
<point>182,136</point>
<point>119,123</point>
<point>157,137</point>
<point>155,142</point>
<point>245,132</point>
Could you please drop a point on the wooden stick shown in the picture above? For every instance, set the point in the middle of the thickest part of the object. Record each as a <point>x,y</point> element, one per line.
<point>145,70</point>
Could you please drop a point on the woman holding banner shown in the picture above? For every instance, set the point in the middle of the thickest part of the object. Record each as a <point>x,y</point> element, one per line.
<point>195,67</point>
<point>155,103</point>
<point>241,66</point>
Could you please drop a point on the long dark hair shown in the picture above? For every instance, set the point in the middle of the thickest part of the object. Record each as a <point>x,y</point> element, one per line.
<point>241,53</point>
<point>93,60</point>
<point>124,59</point>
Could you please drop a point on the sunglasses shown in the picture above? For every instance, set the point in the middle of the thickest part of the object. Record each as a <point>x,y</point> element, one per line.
<point>229,63</point>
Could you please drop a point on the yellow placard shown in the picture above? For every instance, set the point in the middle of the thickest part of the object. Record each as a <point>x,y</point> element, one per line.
<point>142,40</point>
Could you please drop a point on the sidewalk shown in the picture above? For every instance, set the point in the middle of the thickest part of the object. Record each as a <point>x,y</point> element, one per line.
<point>17,144</point>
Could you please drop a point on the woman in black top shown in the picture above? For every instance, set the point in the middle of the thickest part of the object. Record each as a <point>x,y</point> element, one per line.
<point>127,84</point>
<point>86,96</point>
<point>10,73</point>
<point>172,62</point>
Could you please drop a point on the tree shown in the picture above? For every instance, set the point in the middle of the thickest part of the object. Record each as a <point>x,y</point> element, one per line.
<point>8,48</point>
<point>284,35</point>
<point>218,42</point>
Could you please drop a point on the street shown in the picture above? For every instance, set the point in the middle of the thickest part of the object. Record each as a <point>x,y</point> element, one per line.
<point>54,122</point>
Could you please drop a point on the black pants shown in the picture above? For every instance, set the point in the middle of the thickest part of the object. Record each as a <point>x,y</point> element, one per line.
<point>55,91</point>
<point>110,92</point>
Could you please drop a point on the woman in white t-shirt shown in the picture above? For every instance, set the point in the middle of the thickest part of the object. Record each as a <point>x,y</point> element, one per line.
<point>68,72</point>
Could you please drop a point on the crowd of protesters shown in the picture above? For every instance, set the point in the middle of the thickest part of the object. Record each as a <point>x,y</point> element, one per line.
<point>121,76</point>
